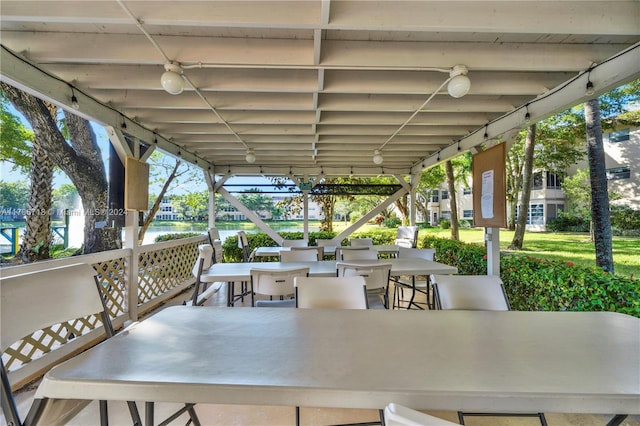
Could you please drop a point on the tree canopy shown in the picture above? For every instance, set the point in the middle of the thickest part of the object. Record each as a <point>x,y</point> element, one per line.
<point>15,139</point>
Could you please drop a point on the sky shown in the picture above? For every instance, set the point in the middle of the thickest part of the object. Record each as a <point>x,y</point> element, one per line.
<point>7,174</point>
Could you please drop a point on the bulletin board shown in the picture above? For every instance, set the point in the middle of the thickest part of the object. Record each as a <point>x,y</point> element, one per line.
<point>136,185</point>
<point>489,187</point>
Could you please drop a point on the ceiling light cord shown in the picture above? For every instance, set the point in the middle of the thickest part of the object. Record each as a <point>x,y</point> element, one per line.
<point>377,154</point>
<point>215,111</point>
<point>173,70</point>
<point>141,28</point>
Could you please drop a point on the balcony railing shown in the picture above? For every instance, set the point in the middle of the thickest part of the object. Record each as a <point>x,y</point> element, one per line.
<point>162,271</point>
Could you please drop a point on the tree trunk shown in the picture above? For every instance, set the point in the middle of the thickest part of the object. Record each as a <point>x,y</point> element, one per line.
<point>511,216</point>
<point>36,240</point>
<point>453,204</point>
<point>512,198</point>
<point>156,204</point>
<point>422,210</point>
<point>530,143</point>
<point>327,204</point>
<point>599,191</point>
<point>402,204</point>
<point>80,160</point>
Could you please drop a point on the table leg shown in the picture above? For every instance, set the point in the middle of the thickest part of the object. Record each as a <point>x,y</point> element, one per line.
<point>148,413</point>
<point>617,420</point>
<point>413,292</point>
<point>104,413</point>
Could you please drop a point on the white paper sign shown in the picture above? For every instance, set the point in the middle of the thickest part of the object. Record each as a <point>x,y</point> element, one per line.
<point>486,200</point>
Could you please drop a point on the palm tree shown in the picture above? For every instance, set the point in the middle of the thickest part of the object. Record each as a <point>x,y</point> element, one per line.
<point>76,157</point>
<point>599,191</point>
<point>36,239</point>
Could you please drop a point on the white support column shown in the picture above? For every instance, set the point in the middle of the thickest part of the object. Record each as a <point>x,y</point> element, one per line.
<point>211,208</point>
<point>305,198</point>
<point>492,237</point>
<point>131,242</point>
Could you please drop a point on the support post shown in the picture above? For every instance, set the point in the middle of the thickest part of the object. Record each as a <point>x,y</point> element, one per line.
<point>132,225</point>
<point>66,228</point>
<point>212,198</point>
<point>492,238</point>
<point>305,213</point>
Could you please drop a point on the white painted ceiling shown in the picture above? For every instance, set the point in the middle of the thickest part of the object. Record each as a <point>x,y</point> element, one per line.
<point>317,86</point>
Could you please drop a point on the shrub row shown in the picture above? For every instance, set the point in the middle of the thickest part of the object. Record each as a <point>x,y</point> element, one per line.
<point>532,284</point>
<point>176,236</point>
<point>624,221</point>
<point>567,223</point>
<point>542,285</point>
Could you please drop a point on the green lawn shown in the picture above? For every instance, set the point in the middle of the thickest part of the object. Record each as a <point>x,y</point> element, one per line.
<point>568,247</point>
<point>574,247</point>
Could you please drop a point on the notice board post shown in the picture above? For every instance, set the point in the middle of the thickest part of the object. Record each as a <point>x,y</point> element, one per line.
<point>489,200</point>
<point>136,199</point>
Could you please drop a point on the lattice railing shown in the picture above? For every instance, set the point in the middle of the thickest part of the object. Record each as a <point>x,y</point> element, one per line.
<point>165,268</point>
<point>40,349</point>
<point>112,274</point>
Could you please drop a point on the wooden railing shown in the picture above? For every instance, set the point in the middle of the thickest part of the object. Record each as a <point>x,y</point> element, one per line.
<point>163,271</point>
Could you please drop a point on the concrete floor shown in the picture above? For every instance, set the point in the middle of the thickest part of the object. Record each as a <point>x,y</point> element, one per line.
<point>230,415</point>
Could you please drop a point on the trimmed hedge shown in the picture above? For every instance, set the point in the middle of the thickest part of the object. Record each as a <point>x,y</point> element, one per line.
<point>542,285</point>
<point>532,284</point>
<point>470,259</point>
<point>537,285</point>
<point>176,236</point>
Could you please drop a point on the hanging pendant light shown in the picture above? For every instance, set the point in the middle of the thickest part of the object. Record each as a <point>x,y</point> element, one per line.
<point>377,157</point>
<point>251,156</point>
<point>459,84</point>
<point>171,79</point>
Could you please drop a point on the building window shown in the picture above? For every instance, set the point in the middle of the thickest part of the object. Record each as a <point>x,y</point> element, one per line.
<point>537,180</point>
<point>554,180</point>
<point>444,195</point>
<point>553,210</point>
<point>615,137</point>
<point>467,214</point>
<point>616,173</point>
<point>445,214</point>
<point>435,196</point>
<point>536,214</point>
<point>466,191</point>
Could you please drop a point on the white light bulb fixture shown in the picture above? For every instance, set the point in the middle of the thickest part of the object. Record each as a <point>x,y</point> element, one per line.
<point>74,101</point>
<point>251,156</point>
<point>377,157</point>
<point>171,79</point>
<point>459,84</point>
<point>590,89</point>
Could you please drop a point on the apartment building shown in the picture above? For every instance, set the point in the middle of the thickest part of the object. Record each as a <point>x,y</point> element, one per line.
<point>166,211</point>
<point>548,200</point>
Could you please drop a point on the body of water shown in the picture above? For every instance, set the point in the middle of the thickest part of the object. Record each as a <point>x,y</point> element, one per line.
<point>155,231</point>
<point>76,224</point>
